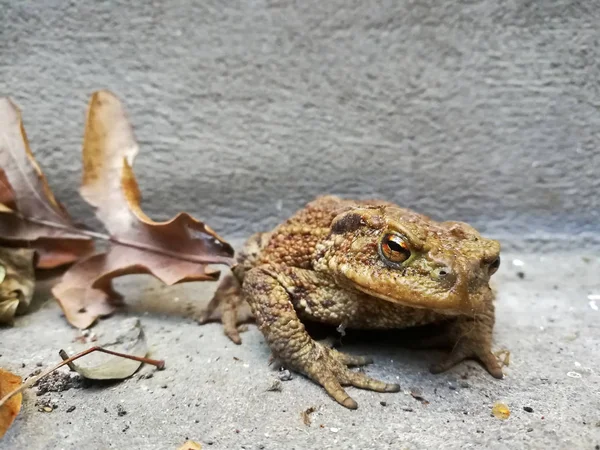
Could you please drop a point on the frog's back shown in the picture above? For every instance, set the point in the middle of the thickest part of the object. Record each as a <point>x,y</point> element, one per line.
<point>293,242</point>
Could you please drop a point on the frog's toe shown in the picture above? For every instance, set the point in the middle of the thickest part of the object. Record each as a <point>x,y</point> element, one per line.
<point>230,325</point>
<point>351,360</point>
<point>470,350</point>
<point>335,390</point>
<point>360,380</point>
<point>328,367</point>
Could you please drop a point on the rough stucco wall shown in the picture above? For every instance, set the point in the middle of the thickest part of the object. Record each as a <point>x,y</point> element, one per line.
<point>480,111</point>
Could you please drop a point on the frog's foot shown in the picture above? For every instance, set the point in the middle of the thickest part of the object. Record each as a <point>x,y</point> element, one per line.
<point>329,368</point>
<point>228,306</point>
<point>469,349</point>
<point>469,339</point>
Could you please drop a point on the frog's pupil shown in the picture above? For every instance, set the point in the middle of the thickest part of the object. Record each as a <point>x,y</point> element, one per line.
<point>395,246</point>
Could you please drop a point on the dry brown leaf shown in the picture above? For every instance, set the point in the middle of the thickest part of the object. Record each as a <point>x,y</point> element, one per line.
<point>190,445</point>
<point>17,282</point>
<point>174,251</point>
<point>30,215</point>
<point>129,339</point>
<point>10,409</point>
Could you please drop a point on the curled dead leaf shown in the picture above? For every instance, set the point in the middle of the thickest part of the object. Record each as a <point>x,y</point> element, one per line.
<point>17,282</point>
<point>130,339</point>
<point>9,410</point>
<point>173,251</point>
<point>30,215</point>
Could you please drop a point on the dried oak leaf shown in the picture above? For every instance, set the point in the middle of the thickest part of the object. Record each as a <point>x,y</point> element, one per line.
<point>30,215</point>
<point>9,410</point>
<point>17,282</point>
<point>174,251</point>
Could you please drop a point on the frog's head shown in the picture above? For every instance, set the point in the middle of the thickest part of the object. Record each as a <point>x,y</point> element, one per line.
<point>406,258</point>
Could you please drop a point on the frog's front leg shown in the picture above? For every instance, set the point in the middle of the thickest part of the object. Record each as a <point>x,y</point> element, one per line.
<point>271,291</point>
<point>468,338</point>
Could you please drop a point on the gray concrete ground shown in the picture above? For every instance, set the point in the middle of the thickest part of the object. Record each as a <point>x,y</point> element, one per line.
<point>216,393</point>
<point>482,111</point>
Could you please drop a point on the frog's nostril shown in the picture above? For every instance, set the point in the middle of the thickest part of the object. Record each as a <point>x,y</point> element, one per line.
<point>441,273</point>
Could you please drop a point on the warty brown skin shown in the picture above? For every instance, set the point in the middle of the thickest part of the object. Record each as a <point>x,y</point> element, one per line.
<point>366,265</point>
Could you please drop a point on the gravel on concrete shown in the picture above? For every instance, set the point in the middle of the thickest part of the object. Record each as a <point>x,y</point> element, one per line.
<point>222,396</point>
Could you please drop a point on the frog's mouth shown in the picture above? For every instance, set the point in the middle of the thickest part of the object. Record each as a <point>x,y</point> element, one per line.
<point>453,305</point>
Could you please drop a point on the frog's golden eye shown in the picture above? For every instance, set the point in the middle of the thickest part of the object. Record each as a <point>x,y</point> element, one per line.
<point>494,266</point>
<point>394,249</point>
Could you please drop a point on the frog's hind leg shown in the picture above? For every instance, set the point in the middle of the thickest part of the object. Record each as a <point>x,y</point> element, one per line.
<point>227,305</point>
<point>277,319</point>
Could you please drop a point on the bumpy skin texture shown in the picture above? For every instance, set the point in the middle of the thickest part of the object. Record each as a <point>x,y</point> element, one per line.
<point>333,262</point>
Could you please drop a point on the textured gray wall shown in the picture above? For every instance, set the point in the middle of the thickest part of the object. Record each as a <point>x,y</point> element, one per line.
<point>482,111</point>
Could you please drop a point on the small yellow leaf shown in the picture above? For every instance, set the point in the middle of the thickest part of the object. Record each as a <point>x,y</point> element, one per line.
<point>501,411</point>
<point>8,411</point>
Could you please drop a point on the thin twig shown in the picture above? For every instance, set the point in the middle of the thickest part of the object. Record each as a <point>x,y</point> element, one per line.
<point>159,363</point>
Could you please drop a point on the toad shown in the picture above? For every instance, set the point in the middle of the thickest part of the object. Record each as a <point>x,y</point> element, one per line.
<point>365,265</point>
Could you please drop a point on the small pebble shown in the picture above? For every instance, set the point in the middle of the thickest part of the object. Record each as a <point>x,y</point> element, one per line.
<point>71,409</point>
<point>285,375</point>
<point>383,403</point>
<point>121,411</point>
<point>464,385</point>
<point>529,430</point>
<point>521,275</point>
<point>164,386</point>
<point>529,409</point>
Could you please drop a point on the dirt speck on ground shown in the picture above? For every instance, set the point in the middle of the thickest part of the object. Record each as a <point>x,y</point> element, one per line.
<point>59,382</point>
<point>46,404</point>
<point>306,415</point>
<point>276,386</point>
